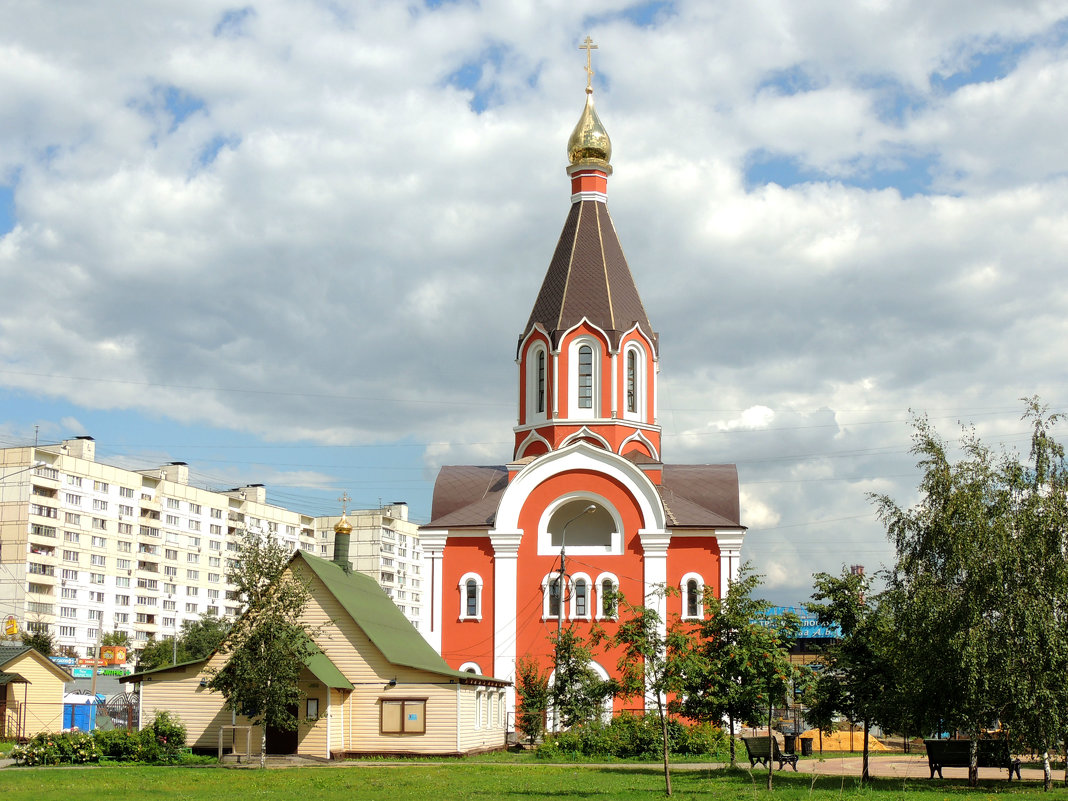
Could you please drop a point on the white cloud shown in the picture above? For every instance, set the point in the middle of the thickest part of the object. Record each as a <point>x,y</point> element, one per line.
<point>355,262</point>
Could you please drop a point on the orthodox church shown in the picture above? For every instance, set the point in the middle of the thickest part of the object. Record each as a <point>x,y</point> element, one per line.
<point>587,508</point>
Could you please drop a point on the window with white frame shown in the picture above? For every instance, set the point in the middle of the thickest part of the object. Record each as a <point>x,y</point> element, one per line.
<point>580,596</point>
<point>553,589</point>
<point>607,596</point>
<point>537,382</point>
<point>471,596</point>
<point>693,587</point>
<point>584,359</point>
<point>634,382</point>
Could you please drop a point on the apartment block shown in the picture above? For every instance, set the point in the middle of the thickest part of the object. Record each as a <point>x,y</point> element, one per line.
<point>384,545</point>
<point>85,545</point>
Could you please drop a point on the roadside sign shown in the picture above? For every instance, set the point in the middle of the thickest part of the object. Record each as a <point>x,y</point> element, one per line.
<point>11,626</point>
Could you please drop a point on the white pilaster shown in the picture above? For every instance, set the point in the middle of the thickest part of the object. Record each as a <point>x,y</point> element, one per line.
<point>433,545</point>
<point>730,557</point>
<point>654,548</point>
<point>505,581</point>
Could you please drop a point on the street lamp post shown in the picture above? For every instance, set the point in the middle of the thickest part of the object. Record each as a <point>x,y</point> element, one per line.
<point>561,580</point>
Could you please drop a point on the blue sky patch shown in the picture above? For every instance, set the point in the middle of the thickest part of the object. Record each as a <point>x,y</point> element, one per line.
<point>791,81</point>
<point>234,23</point>
<point>470,77</point>
<point>908,173</point>
<point>984,67</point>
<point>7,209</point>
<point>211,150</point>
<point>643,15</point>
<point>180,104</point>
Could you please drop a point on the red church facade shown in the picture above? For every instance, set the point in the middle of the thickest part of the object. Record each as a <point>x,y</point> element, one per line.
<point>586,474</point>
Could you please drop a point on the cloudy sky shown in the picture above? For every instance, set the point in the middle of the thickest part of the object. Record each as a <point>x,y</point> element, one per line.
<point>295,242</point>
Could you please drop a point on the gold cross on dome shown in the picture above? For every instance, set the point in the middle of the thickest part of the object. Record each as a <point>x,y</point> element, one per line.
<point>589,47</point>
<point>344,500</point>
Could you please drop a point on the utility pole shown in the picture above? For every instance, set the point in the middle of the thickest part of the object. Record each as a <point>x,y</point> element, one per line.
<point>561,583</point>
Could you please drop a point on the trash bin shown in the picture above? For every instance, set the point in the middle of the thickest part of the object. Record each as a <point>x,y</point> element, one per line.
<point>806,746</point>
<point>788,743</point>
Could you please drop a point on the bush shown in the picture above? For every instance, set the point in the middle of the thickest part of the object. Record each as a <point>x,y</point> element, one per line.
<point>631,736</point>
<point>73,748</point>
<point>118,744</point>
<point>163,741</point>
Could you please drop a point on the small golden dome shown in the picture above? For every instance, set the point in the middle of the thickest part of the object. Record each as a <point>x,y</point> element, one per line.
<point>343,526</point>
<point>589,142</point>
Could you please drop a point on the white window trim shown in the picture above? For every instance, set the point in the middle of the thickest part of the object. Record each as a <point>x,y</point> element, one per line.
<point>615,586</point>
<point>532,415</point>
<point>575,579</point>
<point>545,540</point>
<point>700,596</point>
<point>468,666</point>
<point>545,595</point>
<point>463,596</point>
<point>573,410</point>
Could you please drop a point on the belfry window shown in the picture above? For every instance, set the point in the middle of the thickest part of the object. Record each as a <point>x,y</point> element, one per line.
<point>541,382</point>
<point>632,381</point>
<point>585,377</point>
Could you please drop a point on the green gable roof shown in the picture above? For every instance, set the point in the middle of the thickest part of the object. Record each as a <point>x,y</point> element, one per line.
<point>384,624</point>
<point>9,652</point>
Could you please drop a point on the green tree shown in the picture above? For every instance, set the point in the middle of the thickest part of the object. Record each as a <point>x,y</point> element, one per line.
<point>116,637</point>
<point>267,647</point>
<point>651,661</point>
<point>857,679</point>
<point>532,684</point>
<point>197,639</point>
<point>577,694</point>
<point>1036,709</point>
<point>43,641</point>
<point>980,586</point>
<point>724,675</point>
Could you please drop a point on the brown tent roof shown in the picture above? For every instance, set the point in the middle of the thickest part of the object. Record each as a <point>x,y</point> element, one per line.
<point>589,277</point>
<point>694,495</point>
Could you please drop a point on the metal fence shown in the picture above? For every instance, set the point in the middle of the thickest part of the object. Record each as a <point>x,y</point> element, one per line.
<point>21,720</point>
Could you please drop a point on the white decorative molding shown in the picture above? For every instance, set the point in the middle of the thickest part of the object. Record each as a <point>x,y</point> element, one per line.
<point>581,456</point>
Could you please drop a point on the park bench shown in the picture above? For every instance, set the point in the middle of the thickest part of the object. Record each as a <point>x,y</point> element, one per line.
<point>955,754</point>
<point>758,750</point>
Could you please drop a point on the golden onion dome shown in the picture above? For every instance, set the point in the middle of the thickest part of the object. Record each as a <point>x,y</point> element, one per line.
<point>343,526</point>
<point>589,142</point>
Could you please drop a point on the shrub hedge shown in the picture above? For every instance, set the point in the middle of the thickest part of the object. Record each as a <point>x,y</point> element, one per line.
<point>160,743</point>
<point>630,736</point>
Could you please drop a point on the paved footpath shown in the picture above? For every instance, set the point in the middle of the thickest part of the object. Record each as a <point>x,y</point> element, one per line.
<point>908,766</point>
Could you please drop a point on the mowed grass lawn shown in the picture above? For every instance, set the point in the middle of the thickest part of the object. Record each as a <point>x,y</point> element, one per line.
<point>460,780</point>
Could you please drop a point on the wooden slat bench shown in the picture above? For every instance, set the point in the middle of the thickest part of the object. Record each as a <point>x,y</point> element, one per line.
<point>758,751</point>
<point>955,754</point>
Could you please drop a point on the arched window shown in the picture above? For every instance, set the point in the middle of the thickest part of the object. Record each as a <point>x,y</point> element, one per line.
<point>471,667</point>
<point>553,590</point>
<point>693,587</point>
<point>540,386</point>
<point>608,594</point>
<point>580,596</point>
<point>585,377</point>
<point>632,381</point>
<point>471,597</point>
<point>584,354</point>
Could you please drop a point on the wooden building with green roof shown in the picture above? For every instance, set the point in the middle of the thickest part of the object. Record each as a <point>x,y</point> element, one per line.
<point>375,686</point>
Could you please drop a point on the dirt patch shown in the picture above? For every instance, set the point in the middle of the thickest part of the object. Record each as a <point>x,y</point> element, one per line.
<point>840,741</point>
